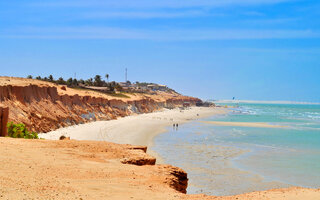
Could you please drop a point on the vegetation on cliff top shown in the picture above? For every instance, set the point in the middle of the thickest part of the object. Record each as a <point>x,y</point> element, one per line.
<point>112,88</point>
<point>97,84</point>
<point>73,82</point>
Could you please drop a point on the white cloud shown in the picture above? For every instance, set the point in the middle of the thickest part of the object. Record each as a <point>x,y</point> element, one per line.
<point>144,15</point>
<point>155,3</point>
<point>271,21</point>
<point>161,34</point>
<point>149,9</point>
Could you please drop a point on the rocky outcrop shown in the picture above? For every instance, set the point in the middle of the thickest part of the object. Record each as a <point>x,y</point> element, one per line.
<point>142,160</point>
<point>176,178</point>
<point>4,113</point>
<point>43,108</point>
<point>138,156</point>
<point>142,148</point>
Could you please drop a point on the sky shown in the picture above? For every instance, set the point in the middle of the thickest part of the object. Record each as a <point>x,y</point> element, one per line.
<point>212,49</point>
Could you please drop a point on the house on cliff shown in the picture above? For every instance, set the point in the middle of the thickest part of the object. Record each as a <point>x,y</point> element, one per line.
<point>157,87</point>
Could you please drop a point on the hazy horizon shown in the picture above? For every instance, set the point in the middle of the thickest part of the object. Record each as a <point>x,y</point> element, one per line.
<point>263,102</point>
<point>260,50</point>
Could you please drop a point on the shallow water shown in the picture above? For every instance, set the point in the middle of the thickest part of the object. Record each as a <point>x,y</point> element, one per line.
<point>225,160</point>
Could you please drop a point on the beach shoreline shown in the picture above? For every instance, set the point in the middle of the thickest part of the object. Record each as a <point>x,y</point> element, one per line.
<point>139,129</point>
<point>102,163</point>
<point>142,129</point>
<point>210,165</point>
<point>72,169</point>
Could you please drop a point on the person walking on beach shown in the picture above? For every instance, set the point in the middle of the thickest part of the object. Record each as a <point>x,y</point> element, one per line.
<point>174,126</point>
<point>177,125</point>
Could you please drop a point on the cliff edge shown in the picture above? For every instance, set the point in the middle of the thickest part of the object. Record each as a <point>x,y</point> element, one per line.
<point>45,106</point>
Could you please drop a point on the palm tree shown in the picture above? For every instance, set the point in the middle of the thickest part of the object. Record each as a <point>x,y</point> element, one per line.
<point>69,82</point>
<point>97,80</point>
<point>61,81</point>
<point>89,82</point>
<point>107,77</point>
<point>51,78</point>
<point>75,82</point>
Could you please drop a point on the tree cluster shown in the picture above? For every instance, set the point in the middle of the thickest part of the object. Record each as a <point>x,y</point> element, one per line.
<point>73,82</point>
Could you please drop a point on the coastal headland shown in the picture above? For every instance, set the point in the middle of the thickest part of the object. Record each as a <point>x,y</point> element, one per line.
<point>83,169</point>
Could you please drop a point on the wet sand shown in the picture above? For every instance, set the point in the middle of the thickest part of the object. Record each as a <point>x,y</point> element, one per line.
<point>136,129</point>
<point>244,124</point>
<point>214,172</point>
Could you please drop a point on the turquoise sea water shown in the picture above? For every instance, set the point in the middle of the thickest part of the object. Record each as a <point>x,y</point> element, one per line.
<point>225,160</point>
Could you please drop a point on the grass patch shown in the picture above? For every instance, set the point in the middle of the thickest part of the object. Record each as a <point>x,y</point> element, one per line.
<point>120,95</point>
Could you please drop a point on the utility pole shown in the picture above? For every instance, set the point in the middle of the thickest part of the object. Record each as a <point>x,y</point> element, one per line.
<point>126,74</point>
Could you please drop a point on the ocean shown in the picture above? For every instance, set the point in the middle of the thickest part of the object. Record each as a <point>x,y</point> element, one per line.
<point>228,160</point>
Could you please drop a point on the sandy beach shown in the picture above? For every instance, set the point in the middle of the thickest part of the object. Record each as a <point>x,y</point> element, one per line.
<point>71,169</point>
<point>136,129</point>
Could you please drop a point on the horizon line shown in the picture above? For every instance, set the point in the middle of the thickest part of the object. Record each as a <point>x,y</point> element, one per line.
<point>264,102</point>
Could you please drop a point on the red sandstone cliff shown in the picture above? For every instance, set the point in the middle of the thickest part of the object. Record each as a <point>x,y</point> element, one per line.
<point>45,106</point>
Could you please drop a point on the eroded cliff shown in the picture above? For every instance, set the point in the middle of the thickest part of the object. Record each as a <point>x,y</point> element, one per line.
<point>44,107</point>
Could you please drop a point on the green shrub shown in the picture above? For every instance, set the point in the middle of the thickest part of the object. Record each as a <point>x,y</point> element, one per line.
<point>20,131</point>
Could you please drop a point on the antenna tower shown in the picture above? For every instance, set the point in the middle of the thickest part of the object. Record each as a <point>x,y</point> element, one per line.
<point>126,74</point>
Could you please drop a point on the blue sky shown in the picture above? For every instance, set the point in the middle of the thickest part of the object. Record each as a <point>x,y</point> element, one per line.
<point>250,49</point>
